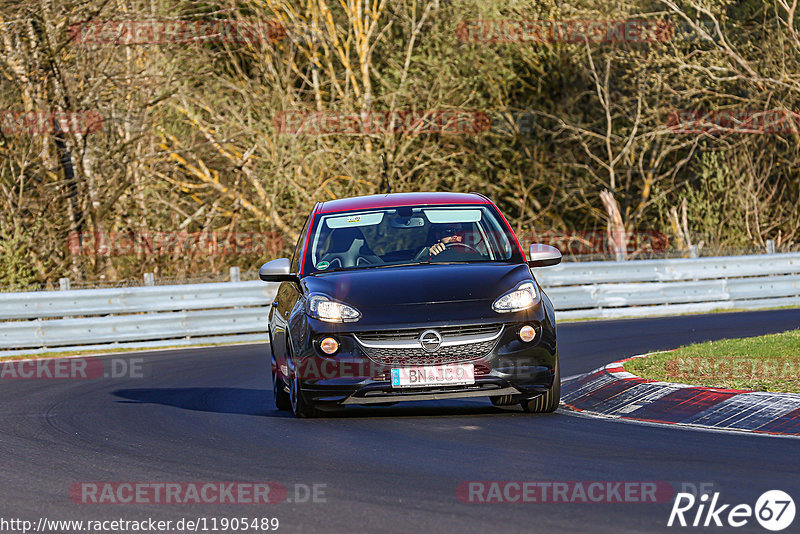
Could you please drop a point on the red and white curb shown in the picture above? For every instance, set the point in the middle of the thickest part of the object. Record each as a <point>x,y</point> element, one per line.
<point>611,391</point>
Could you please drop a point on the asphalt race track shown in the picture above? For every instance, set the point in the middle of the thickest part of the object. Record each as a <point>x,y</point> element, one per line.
<point>207,415</point>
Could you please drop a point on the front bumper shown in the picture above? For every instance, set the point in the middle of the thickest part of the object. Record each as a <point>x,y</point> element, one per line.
<point>353,376</point>
<point>380,394</point>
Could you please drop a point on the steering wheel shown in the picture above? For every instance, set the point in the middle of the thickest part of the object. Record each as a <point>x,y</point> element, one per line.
<point>468,247</point>
<point>422,252</point>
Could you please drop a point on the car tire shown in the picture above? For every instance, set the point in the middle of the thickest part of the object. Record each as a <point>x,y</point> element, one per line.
<point>299,406</point>
<point>282,400</point>
<point>503,400</point>
<point>548,401</point>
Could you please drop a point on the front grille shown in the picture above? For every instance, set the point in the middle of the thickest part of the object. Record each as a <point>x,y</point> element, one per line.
<point>403,348</point>
<point>445,331</point>
<point>417,356</point>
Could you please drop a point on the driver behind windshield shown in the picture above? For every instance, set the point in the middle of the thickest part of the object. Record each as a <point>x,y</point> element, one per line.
<point>449,243</point>
<point>446,234</point>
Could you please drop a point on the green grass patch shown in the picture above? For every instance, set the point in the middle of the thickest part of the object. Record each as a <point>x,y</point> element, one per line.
<point>764,363</point>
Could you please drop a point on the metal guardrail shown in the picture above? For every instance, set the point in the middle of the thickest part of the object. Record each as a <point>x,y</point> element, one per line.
<point>237,311</point>
<point>44,321</point>
<point>664,287</point>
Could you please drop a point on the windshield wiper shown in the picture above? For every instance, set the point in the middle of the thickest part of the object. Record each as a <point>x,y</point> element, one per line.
<point>336,270</point>
<point>422,262</point>
<point>407,264</point>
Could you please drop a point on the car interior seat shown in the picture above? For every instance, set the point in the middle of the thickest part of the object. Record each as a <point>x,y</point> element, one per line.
<point>347,248</point>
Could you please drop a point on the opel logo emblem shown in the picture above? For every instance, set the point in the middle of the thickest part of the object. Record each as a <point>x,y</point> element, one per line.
<point>430,340</point>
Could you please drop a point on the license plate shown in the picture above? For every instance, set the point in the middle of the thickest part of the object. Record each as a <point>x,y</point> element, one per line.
<point>434,375</point>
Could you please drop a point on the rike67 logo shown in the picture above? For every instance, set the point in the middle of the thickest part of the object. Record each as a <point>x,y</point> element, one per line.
<point>774,510</point>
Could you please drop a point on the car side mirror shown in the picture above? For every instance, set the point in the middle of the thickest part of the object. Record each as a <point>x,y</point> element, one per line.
<point>277,271</point>
<point>543,255</point>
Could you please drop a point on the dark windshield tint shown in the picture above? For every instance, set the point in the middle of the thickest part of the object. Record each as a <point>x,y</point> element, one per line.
<point>398,236</point>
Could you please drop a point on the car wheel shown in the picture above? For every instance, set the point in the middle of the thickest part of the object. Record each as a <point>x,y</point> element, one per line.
<point>282,400</point>
<point>548,401</point>
<point>299,407</point>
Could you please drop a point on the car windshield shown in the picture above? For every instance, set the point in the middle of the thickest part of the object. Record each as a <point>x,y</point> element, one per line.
<point>407,235</point>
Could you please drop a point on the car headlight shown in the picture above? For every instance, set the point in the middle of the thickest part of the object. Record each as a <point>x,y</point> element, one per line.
<point>325,309</point>
<point>519,299</point>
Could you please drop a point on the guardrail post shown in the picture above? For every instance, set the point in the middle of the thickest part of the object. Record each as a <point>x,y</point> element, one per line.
<point>63,284</point>
<point>770,246</point>
<point>149,279</point>
<point>236,274</point>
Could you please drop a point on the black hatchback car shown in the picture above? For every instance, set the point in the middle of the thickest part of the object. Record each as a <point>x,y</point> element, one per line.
<point>407,297</point>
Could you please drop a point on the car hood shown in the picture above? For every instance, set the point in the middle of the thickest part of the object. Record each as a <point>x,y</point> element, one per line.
<point>419,284</point>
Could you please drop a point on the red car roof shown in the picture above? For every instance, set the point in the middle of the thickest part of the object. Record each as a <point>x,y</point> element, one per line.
<point>393,200</point>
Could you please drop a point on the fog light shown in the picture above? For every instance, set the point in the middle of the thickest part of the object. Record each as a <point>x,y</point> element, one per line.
<point>527,333</point>
<point>329,345</point>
